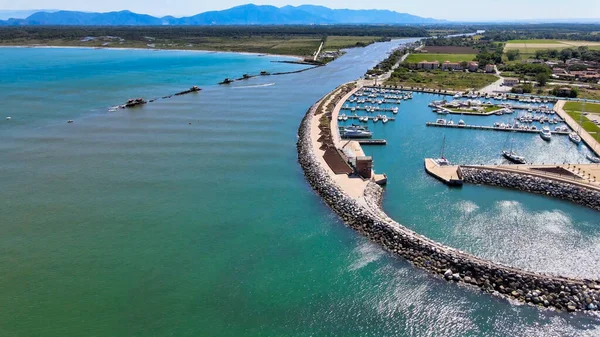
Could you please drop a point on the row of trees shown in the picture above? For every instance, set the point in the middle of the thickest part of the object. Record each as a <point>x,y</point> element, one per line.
<point>387,64</point>
<point>582,52</point>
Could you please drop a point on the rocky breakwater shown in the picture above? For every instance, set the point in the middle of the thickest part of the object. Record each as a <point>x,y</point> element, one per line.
<point>367,217</point>
<point>587,197</point>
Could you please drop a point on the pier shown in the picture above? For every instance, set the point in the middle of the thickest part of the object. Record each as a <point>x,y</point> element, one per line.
<point>364,108</point>
<point>372,141</point>
<point>493,128</point>
<point>448,174</point>
<point>370,117</point>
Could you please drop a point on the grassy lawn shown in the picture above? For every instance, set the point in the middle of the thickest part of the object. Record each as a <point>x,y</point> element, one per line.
<point>587,125</point>
<point>574,110</point>
<point>441,79</point>
<point>484,111</point>
<point>578,106</point>
<point>415,58</point>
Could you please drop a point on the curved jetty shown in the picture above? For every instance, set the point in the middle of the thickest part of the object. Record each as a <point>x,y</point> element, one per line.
<point>358,202</point>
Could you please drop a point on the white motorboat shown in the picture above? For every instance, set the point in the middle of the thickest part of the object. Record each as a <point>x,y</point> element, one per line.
<point>546,134</point>
<point>461,123</point>
<point>384,119</point>
<point>395,110</point>
<point>356,133</point>
<point>575,138</point>
<point>440,121</point>
<point>593,159</point>
<point>376,119</point>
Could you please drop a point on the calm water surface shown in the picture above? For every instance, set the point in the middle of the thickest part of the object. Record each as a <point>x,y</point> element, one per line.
<point>191,217</point>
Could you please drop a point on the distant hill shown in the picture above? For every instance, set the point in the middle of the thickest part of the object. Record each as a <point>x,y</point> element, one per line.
<point>21,14</point>
<point>241,15</point>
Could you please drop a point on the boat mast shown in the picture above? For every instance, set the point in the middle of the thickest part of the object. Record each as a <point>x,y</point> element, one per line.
<point>581,118</point>
<point>443,146</point>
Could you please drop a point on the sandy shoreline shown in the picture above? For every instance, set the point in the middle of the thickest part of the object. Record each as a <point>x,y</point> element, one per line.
<point>296,57</point>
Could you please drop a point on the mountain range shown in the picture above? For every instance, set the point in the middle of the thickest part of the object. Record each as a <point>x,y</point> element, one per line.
<point>241,15</point>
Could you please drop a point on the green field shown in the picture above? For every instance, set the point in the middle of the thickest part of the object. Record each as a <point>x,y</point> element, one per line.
<point>444,80</point>
<point>537,41</point>
<point>341,42</point>
<point>415,58</point>
<point>529,47</point>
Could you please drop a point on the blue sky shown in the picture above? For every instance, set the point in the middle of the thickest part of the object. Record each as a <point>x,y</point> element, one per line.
<point>478,10</point>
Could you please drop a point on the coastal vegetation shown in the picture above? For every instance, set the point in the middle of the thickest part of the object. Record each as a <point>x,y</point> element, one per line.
<point>438,79</point>
<point>287,40</point>
<point>389,63</point>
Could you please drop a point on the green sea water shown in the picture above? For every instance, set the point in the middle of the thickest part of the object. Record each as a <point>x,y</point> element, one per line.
<point>191,217</point>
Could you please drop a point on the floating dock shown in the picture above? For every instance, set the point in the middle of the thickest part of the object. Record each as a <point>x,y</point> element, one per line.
<point>364,108</point>
<point>372,141</point>
<point>493,128</point>
<point>371,118</point>
<point>448,174</point>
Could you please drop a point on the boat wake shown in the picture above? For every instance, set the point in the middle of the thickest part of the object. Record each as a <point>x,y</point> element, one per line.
<point>255,86</point>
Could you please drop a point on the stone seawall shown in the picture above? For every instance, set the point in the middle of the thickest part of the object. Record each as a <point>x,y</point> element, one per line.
<point>367,217</point>
<point>533,184</point>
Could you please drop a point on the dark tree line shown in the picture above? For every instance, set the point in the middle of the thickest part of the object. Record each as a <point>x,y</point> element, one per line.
<point>189,33</point>
<point>575,32</point>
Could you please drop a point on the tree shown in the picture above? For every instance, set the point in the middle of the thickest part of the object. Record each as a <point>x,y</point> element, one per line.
<point>566,54</point>
<point>514,54</point>
<point>542,79</point>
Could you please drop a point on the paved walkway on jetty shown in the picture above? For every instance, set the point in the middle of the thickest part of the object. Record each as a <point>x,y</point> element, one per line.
<point>584,175</point>
<point>355,187</point>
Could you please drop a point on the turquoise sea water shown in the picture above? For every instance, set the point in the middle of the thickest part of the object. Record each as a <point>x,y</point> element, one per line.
<point>138,223</point>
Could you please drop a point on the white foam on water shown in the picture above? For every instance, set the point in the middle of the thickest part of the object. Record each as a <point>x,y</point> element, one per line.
<point>367,252</point>
<point>255,86</point>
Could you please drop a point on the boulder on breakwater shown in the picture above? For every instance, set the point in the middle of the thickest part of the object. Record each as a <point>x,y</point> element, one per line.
<point>450,264</point>
<point>529,183</point>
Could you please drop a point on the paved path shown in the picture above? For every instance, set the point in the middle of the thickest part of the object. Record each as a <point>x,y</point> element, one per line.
<point>585,175</point>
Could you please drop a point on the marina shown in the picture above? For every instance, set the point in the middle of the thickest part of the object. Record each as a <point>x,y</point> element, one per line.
<point>355,198</point>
